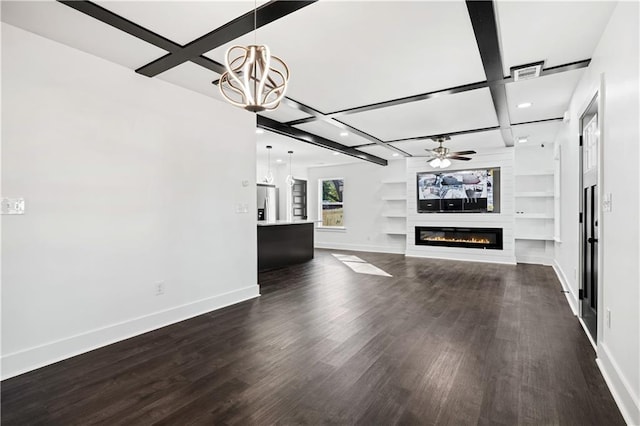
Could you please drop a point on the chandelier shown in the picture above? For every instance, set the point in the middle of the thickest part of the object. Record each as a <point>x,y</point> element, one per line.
<point>254,79</point>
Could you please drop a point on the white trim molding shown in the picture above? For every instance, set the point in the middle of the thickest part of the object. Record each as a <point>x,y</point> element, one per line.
<point>572,298</point>
<point>628,402</point>
<point>20,362</point>
<point>358,247</point>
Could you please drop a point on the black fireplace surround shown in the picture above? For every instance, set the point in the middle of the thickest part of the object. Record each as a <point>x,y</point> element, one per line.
<point>482,238</point>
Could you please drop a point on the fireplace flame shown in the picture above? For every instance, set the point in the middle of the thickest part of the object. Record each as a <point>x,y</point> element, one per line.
<point>472,240</point>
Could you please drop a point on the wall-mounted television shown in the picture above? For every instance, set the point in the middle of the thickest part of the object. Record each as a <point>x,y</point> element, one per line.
<point>459,191</point>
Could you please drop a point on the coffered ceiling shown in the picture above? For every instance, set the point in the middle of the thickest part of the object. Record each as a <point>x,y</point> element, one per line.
<point>368,79</point>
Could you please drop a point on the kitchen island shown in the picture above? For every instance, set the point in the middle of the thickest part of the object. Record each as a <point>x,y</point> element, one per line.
<point>282,243</point>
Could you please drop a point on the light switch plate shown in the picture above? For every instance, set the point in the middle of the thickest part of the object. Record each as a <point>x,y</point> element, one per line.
<point>606,203</point>
<point>12,205</point>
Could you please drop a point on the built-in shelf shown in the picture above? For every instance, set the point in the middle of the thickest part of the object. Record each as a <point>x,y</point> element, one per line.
<point>395,232</point>
<point>534,237</point>
<point>394,198</point>
<point>533,216</point>
<point>394,214</point>
<point>536,173</point>
<point>532,194</point>
<point>391,182</point>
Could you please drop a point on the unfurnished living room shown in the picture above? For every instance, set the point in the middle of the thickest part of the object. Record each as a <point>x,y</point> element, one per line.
<point>320,212</point>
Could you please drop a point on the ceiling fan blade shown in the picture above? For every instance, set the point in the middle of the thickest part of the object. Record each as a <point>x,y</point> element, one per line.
<point>455,157</point>
<point>463,153</point>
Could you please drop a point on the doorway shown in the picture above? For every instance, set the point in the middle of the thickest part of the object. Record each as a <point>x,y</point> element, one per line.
<point>589,216</point>
<point>299,195</point>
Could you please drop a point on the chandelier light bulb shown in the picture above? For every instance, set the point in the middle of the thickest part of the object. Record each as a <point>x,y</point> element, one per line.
<point>268,178</point>
<point>290,180</point>
<point>254,80</point>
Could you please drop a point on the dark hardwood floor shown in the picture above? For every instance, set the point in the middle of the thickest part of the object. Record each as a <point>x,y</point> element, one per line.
<point>439,343</point>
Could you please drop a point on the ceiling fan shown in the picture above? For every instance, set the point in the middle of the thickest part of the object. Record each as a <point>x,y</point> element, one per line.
<point>441,156</point>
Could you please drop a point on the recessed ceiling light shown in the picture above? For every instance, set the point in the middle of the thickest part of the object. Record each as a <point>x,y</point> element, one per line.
<point>524,105</point>
<point>336,153</point>
<point>259,131</point>
<point>395,154</point>
<point>522,139</point>
<point>344,134</point>
<point>279,160</point>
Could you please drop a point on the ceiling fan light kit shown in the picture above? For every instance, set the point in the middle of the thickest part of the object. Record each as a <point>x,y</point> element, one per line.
<point>441,157</point>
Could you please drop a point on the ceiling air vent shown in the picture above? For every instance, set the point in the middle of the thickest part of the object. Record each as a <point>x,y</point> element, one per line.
<point>526,72</point>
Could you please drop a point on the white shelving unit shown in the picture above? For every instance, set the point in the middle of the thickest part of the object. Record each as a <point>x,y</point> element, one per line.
<point>394,196</point>
<point>534,207</point>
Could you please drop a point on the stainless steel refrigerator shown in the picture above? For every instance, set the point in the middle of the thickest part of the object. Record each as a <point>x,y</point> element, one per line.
<point>267,202</point>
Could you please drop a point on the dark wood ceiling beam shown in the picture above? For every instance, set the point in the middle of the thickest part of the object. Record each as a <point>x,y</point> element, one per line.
<point>240,26</point>
<point>545,120</point>
<point>301,135</point>
<point>131,28</point>
<point>485,28</point>
<point>430,95</point>
<point>318,116</point>
<point>462,132</point>
<point>399,101</point>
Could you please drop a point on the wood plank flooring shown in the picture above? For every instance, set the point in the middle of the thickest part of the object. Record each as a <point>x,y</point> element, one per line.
<point>439,343</point>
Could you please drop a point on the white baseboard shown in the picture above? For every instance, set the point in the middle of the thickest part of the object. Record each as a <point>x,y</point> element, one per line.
<point>26,360</point>
<point>358,247</point>
<point>462,259</point>
<point>627,401</point>
<point>572,298</point>
<point>535,260</point>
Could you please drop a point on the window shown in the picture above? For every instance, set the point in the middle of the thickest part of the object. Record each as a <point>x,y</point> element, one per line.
<point>331,202</point>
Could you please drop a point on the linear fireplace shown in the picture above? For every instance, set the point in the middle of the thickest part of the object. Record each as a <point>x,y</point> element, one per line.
<point>483,238</point>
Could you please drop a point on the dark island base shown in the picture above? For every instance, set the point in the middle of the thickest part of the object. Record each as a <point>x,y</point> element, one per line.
<point>283,245</point>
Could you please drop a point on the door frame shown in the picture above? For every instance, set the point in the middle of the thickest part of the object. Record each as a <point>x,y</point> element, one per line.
<point>598,93</point>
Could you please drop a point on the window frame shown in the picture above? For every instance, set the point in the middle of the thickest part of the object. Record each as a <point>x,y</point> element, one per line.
<point>321,203</point>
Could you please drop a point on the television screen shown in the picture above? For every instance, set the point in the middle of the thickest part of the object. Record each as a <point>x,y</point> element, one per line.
<point>471,191</point>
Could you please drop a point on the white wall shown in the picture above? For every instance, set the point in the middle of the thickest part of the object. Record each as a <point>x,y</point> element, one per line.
<point>616,61</point>
<point>363,206</point>
<point>503,158</point>
<point>128,181</point>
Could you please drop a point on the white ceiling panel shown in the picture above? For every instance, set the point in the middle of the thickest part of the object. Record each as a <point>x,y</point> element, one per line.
<point>65,25</point>
<point>180,21</point>
<point>462,111</point>
<point>536,133</point>
<point>193,77</point>
<point>331,132</point>
<point>304,154</point>
<point>347,54</point>
<point>549,96</point>
<point>284,113</point>
<point>382,152</point>
<point>557,32</point>
<point>479,141</point>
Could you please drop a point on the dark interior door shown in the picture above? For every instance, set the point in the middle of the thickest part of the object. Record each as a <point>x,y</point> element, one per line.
<point>590,260</point>
<point>589,152</point>
<point>299,193</point>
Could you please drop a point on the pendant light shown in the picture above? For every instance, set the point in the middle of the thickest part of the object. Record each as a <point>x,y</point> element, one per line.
<point>290,180</point>
<point>254,79</point>
<point>268,178</point>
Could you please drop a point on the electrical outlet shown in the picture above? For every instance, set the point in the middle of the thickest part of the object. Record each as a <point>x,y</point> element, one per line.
<point>608,318</point>
<point>160,287</point>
